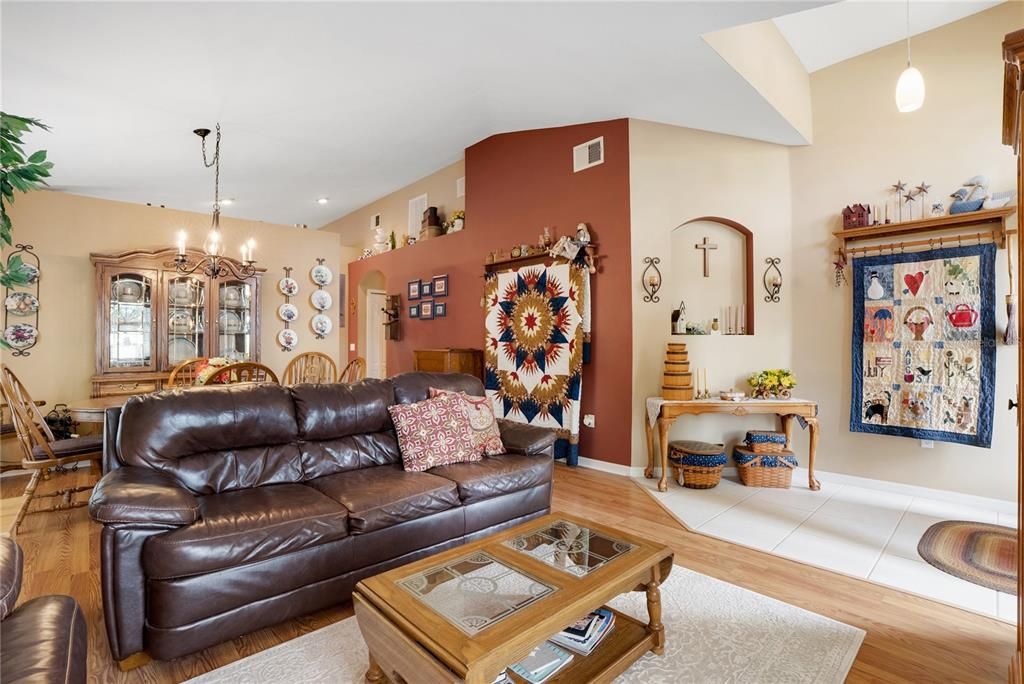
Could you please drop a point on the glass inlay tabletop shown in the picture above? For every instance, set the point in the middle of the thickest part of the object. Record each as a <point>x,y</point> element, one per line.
<point>570,547</point>
<point>475,592</point>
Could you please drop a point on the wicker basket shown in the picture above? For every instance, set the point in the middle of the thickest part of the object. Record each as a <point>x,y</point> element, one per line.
<point>766,442</point>
<point>753,474</point>
<point>697,474</point>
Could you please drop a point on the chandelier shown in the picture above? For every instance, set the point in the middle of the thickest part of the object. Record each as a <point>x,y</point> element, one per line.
<point>213,262</point>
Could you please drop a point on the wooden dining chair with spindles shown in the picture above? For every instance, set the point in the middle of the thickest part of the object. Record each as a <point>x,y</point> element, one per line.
<point>41,452</point>
<point>313,367</point>
<point>354,371</point>
<point>184,374</point>
<point>242,372</point>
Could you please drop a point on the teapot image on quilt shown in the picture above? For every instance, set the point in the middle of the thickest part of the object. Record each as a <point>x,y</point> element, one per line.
<point>962,316</point>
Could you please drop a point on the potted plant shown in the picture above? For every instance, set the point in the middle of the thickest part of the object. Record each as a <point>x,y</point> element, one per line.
<point>772,383</point>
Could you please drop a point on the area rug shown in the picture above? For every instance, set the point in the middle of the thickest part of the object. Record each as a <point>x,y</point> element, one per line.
<point>924,345</point>
<point>716,632</point>
<point>980,553</point>
<point>537,330</point>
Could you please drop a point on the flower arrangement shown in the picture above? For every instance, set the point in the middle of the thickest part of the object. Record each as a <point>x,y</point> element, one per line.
<point>774,382</point>
<point>455,221</point>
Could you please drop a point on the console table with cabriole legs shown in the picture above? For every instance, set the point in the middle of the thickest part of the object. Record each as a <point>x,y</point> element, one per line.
<point>663,413</point>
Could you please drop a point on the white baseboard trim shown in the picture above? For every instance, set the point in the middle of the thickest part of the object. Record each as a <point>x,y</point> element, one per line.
<point>613,468</point>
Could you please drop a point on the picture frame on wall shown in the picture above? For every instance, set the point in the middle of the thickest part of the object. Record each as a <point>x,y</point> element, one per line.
<point>440,284</point>
<point>414,289</point>
<point>414,311</point>
<point>440,309</point>
<point>426,289</point>
<point>427,310</point>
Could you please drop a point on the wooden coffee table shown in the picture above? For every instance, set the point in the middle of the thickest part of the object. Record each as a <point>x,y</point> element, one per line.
<point>465,614</point>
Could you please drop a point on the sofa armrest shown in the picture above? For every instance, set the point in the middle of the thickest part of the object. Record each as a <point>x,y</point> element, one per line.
<point>519,438</point>
<point>11,565</point>
<point>140,495</point>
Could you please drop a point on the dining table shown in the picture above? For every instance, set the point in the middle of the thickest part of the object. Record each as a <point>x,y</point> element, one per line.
<point>92,410</point>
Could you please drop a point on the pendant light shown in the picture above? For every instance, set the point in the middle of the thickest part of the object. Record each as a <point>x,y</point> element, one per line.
<point>910,87</point>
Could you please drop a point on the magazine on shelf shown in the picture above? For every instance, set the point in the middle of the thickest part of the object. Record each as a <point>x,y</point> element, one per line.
<point>543,662</point>
<point>603,621</point>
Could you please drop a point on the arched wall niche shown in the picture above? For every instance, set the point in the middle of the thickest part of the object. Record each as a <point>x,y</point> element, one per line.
<point>731,269</point>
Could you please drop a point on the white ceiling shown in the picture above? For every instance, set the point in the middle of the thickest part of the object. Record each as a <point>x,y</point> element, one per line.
<point>353,100</point>
<point>825,35</point>
<point>349,101</point>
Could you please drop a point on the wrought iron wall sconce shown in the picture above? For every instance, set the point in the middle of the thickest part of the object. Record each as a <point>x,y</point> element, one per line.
<point>651,279</point>
<point>772,279</point>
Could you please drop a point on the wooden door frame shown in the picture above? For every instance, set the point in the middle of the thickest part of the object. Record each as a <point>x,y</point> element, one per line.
<point>370,292</point>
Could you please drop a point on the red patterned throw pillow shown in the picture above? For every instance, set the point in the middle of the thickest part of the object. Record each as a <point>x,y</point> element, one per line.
<point>486,433</point>
<point>434,432</point>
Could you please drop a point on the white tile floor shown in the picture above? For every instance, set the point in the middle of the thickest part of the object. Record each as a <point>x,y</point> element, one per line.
<point>855,530</point>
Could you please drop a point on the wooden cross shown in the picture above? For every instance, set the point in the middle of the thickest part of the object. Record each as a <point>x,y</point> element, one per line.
<point>707,263</point>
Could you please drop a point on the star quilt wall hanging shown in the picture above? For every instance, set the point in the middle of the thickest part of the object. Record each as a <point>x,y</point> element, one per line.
<point>537,339</point>
<point>924,345</point>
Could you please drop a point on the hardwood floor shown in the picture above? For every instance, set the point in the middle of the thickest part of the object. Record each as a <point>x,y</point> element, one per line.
<point>909,639</point>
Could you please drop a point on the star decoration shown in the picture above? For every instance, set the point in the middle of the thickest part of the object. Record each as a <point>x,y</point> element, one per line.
<point>899,187</point>
<point>909,197</point>
<point>923,188</point>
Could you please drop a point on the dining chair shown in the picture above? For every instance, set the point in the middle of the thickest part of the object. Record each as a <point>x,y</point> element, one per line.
<point>354,371</point>
<point>313,367</point>
<point>244,371</point>
<point>184,374</point>
<point>40,451</point>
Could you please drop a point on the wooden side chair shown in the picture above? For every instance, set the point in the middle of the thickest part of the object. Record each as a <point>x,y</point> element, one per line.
<point>184,374</point>
<point>245,371</point>
<point>354,371</point>
<point>311,367</point>
<point>41,452</point>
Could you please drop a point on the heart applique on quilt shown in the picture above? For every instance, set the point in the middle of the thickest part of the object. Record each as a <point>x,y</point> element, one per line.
<point>914,281</point>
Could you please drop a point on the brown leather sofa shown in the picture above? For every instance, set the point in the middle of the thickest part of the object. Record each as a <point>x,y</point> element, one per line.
<point>228,509</point>
<point>42,640</point>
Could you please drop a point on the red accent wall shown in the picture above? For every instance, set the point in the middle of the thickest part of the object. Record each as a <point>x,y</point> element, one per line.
<point>517,183</point>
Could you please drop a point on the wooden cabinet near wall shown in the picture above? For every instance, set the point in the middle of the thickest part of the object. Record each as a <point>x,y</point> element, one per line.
<point>150,318</point>
<point>469,361</point>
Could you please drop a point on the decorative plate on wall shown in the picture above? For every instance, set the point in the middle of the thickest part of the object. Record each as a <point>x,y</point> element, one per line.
<point>321,300</point>
<point>289,287</point>
<point>288,312</point>
<point>321,275</point>
<point>287,338</point>
<point>321,325</point>
<point>30,271</point>
<point>21,335</point>
<point>21,303</point>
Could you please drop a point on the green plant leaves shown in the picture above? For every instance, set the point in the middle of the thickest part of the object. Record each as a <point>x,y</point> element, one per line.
<point>18,172</point>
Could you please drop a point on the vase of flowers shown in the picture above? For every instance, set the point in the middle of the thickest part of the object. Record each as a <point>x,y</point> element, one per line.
<point>772,383</point>
<point>455,222</point>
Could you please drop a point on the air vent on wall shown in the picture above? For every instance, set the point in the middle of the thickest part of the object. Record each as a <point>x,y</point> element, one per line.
<point>590,153</point>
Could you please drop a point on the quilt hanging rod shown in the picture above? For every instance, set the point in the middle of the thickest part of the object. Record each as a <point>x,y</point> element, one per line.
<point>930,243</point>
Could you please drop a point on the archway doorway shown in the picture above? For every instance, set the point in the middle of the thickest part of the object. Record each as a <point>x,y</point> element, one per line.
<point>373,340</point>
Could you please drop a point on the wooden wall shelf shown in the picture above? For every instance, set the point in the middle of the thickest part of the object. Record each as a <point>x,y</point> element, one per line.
<point>996,221</point>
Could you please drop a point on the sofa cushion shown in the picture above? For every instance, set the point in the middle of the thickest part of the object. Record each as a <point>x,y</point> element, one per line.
<point>45,640</point>
<point>332,411</point>
<point>244,526</point>
<point>414,387</point>
<point>496,475</point>
<point>73,446</point>
<point>434,432</point>
<point>387,495</point>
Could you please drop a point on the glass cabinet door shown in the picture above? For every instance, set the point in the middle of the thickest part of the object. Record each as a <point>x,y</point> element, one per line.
<point>129,344</point>
<point>235,320</point>
<point>186,318</point>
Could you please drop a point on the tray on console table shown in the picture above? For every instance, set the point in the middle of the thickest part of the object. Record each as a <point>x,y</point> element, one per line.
<point>662,413</point>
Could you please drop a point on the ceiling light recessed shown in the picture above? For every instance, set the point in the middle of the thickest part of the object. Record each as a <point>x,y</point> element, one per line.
<point>322,200</point>
<point>227,202</point>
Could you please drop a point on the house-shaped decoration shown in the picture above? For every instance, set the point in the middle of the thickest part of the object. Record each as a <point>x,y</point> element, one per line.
<point>856,216</point>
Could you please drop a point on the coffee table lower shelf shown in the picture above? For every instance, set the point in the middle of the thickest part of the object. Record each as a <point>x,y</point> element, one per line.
<point>624,645</point>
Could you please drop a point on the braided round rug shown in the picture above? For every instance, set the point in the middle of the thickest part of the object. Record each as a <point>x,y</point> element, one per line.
<point>980,553</point>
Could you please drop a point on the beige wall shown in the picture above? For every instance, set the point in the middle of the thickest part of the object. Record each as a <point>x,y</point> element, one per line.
<point>394,208</point>
<point>861,146</point>
<point>678,174</point>
<point>761,55</point>
<point>65,228</point>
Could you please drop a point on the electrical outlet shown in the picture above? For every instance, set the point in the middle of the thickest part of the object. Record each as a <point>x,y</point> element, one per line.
<point>927,443</point>
<point>588,420</point>
<point>352,347</point>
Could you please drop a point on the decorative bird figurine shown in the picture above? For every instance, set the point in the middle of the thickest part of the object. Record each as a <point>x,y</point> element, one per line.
<point>923,372</point>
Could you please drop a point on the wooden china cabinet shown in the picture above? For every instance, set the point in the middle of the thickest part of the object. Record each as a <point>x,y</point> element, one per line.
<point>150,318</point>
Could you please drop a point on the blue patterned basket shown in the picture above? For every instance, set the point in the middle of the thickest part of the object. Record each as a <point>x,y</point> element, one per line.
<point>764,470</point>
<point>698,465</point>
<point>766,441</point>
